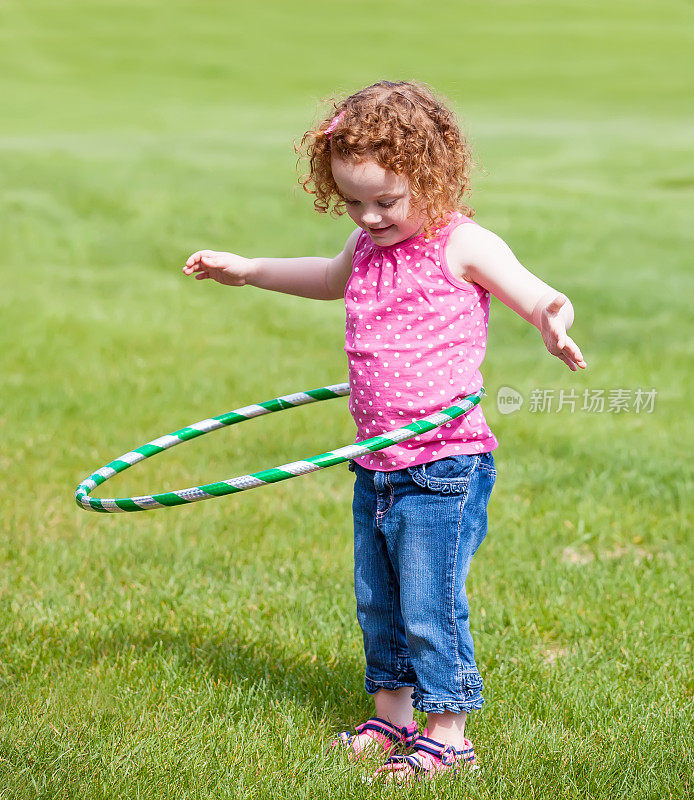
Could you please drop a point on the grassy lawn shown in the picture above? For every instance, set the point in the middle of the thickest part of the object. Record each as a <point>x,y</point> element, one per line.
<point>212,651</point>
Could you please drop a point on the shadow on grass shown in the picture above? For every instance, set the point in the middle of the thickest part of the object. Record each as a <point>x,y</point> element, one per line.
<point>325,687</point>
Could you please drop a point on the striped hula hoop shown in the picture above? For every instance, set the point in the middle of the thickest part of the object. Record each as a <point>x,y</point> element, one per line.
<point>240,484</point>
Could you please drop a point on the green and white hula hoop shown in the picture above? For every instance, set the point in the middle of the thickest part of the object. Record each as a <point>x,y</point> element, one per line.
<point>243,482</point>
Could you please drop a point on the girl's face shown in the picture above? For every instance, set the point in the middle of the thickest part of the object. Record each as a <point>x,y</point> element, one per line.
<point>377,200</point>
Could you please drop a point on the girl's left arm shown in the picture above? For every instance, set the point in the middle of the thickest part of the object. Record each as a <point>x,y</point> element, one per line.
<point>480,256</point>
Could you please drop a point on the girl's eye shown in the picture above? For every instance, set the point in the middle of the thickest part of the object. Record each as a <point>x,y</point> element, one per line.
<point>387,204</point>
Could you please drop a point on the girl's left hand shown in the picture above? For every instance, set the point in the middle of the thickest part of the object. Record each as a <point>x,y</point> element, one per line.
<point>553,329</point>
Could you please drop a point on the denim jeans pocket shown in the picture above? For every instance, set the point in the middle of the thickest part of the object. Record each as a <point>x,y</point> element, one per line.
<point>449,475</point>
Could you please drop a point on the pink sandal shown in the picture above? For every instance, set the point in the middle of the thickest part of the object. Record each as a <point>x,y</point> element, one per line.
<point>388,736</point>
<point>428,758</point>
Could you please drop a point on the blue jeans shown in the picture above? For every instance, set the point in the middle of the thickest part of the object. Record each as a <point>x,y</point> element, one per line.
<point>415,533</point>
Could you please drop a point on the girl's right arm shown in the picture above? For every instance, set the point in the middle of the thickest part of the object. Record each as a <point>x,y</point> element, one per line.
<point>314,277</point>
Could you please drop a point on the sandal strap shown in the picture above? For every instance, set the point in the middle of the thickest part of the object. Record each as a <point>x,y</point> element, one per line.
<point>385,728</point>
<point>416,765</point>
<point>445,753</point>
<point>428,758</point>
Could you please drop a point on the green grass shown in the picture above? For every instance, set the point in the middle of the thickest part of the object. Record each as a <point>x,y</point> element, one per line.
<point>212,651</point>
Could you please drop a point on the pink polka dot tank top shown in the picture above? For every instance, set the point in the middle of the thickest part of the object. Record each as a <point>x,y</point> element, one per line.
<point>415,340</point>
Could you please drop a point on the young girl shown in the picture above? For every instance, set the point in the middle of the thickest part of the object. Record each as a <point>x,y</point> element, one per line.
<point>416,276</point>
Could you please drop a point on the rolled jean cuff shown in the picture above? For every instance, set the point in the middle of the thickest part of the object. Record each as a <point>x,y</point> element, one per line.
<point>372,686</point>
<point>471,700</point>
<point>457,707</point>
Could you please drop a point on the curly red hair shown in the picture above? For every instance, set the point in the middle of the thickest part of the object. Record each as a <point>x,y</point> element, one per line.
<point>403,127</point>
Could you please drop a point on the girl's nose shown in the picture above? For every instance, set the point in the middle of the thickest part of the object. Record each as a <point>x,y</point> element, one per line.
<point>371,217</point>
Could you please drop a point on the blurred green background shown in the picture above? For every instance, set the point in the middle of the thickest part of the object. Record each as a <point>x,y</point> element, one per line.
<point>212,651</point>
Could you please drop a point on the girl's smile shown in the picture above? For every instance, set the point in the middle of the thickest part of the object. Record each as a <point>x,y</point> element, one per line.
<point>377,200</point>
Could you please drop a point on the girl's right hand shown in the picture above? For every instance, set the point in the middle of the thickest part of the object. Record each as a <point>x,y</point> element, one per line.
<point>226,268</point>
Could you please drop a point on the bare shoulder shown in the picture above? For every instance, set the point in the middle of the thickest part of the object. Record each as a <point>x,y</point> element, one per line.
<point>351,243</point>
<point>467,245</point>
<point>347,254</point>
<point>340,267</point>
